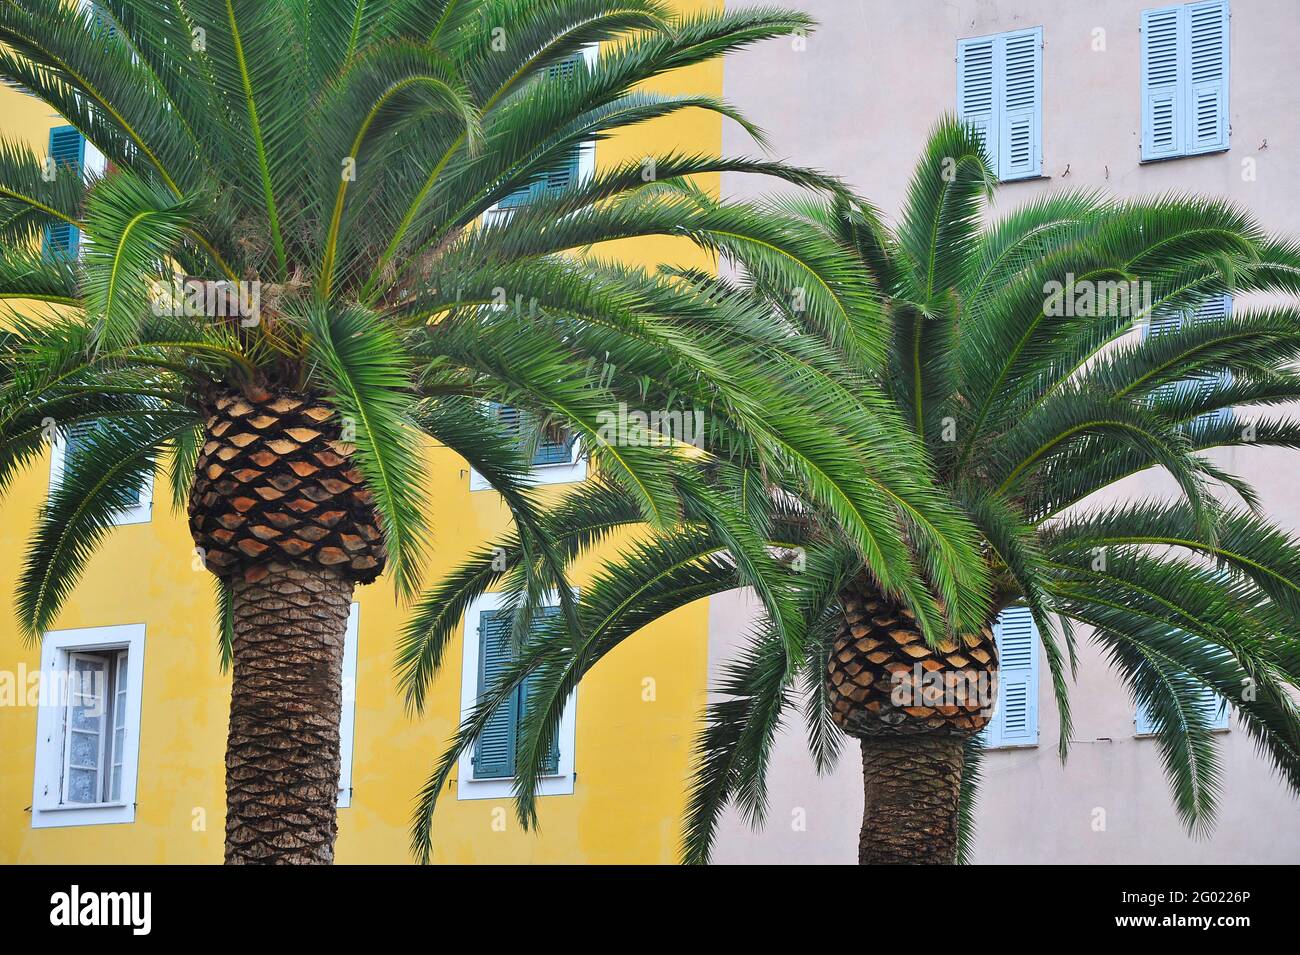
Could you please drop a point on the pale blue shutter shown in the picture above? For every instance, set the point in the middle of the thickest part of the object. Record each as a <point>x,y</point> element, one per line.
<point>976,101</point>
<point>1015,721</point>
<point>1211,704</point>
<point>1020,150</point>
<point>494,755</point>
<point>1214,308</point>
<point>68,151</point>
<point>1207,45</point>
<point>549,450</point>
<point>1185,79</point>
<point>1162,106</point>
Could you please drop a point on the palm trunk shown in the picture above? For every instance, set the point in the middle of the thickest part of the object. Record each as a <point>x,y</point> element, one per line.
<point>282,756</point>
<point>910,790</point>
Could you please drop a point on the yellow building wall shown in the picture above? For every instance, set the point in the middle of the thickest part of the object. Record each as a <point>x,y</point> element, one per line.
<point>631,754</point>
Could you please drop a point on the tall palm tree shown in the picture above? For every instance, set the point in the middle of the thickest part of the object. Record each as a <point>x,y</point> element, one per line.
<point>330,232</point>
<point>1029,402</point>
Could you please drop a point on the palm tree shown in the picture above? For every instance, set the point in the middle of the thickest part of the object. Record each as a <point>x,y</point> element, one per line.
<point>1029,402</point>
<point>301,266</point>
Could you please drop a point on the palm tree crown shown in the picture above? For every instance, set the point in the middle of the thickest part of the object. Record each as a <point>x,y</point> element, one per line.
<point>1028,401</point>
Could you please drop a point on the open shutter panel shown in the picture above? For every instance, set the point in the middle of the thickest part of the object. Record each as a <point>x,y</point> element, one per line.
<point>1162,109</point>
<point>1020,149</point>
<point>1015,723</point>
<point>68,151</point>
<point>976,103</point>
<point>494,756</point>
<point>1207,104</point>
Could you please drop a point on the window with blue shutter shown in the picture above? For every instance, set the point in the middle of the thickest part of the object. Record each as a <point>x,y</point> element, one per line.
<point>1185,79</point>
<point>494,755</point>
<point>566,174</point>
<point>550,449</point>
<point>1214,308</point>
<point>1000,94</point>
<point>68,153</point>
<point>1015,720</point>
<point>1212,705</point>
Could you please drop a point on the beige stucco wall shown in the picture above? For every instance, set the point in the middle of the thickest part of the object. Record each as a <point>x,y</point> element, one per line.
<point>858,102</point>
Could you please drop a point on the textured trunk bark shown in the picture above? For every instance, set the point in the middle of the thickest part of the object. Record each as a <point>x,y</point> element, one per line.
<point>282,756</point>
<point>910,788</point>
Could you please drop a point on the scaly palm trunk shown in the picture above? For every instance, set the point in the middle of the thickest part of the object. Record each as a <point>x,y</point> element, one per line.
<point>282,756</point>
<point>280,512</point>
<point>912,706</point>
<point>910,786</point>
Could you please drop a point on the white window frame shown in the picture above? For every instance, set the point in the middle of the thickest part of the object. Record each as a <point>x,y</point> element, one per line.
<point>57,651</point>
<point>561,782</point>
<point>586,152</point>
<point>348,715</point>
<point>141,513</point>
<point>571,473</point>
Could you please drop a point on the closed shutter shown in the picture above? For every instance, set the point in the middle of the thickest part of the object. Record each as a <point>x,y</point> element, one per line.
<point>1015,721</point>
<point>348,716</point>
<point>1162,112</point>
<point>1000,95</point>
<point>976,102</point>
<point>550,450</point>
<point>1210,703</point>
<point>1185,79</point>
<point>565,175</point>
<point>68,152</point>
<point>1021,148</point>
<point>1207,28</point>
<point>494,756</point>
<point>1215,308</point>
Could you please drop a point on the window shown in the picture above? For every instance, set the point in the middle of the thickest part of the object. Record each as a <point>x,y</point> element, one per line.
<point>557,460</point>
<point>487,769</point>
<point>88,726</point>
<point>1215,308</point>
<point>580,164</point>
<point>1015,721</point>
<point>68,445</point>
<point>1185,80</point>
<point>348,718</point>
<point>1214,706</point>
<point>71,154</point>
<point>68,154</point>
<point>1000,94</point>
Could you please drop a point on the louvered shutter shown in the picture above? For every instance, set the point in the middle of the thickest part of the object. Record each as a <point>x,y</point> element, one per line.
<point>1185,79</point>
<point>1211,704</point>
<point>1015,721</point>
<point>549,450</point>
<point>1214,308</point>
<point>1207,30</point>
<point>68,151</point>
<point>565,175</point>
<point>1020,151</point>
<point>494,756</point>
<point>552,761</point>
<point>1162,106</point>
<point>976,100</point>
